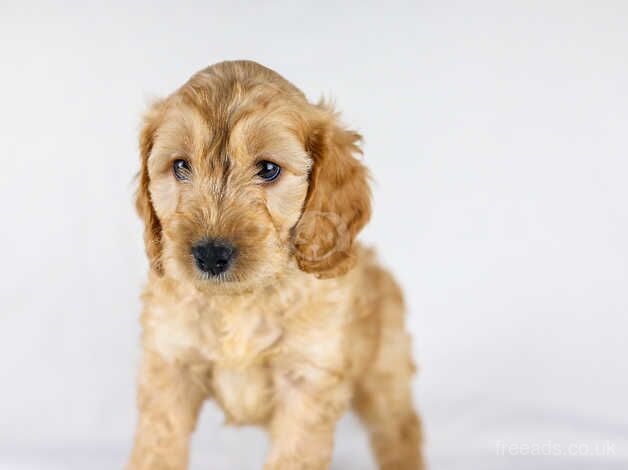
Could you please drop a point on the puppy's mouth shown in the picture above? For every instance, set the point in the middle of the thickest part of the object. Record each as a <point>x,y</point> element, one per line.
<point>233,281</point>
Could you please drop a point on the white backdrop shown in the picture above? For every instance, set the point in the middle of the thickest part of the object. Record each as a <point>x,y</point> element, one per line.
<point>496,132</point>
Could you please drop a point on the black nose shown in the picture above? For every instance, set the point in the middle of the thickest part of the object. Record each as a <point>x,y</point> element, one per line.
<point>213,256</point>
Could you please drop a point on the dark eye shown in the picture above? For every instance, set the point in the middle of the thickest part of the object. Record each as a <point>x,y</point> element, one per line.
<point>181,170</point>
<point>268,171</point>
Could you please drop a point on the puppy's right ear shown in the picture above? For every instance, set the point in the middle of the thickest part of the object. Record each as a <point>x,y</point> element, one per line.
<point>143,203</point>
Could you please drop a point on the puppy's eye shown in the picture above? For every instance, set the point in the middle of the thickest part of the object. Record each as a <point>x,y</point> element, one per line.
<point>181,170</point>
<point>268,171</point>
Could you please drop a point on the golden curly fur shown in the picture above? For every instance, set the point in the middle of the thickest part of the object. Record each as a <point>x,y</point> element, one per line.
<point>305,323</point>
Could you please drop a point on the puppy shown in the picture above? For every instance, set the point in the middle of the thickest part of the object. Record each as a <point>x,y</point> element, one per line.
<point>257,296</point>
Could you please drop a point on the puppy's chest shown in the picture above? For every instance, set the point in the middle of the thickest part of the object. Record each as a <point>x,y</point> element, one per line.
<point>238,338</point>
<point>241,381</point>
<point>244,394</point>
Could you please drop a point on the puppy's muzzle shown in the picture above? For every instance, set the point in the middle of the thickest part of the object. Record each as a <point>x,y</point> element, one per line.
<point>213,256</point>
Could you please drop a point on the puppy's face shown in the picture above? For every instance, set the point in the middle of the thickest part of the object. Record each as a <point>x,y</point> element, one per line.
<point>228,196</point>
<point>239,179</point>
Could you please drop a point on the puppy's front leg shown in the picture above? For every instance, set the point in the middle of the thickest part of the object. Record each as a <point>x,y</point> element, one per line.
<point>303,424</point>
<point>169,399</point>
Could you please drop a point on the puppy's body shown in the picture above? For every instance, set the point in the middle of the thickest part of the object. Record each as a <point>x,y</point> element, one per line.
<point>289,338</point>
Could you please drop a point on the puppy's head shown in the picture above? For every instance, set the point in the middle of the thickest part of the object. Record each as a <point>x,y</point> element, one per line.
<point>241,176</point>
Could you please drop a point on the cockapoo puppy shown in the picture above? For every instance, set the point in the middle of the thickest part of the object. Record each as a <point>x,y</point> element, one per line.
<point>258,297</point>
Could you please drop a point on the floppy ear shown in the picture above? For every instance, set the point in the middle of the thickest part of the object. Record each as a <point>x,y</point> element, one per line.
<point>143,203</point>
<point>338,203</point>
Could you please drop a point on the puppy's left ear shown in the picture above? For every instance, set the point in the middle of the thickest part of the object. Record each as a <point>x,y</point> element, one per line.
<point>338,203</point>
<point>143,202</point>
